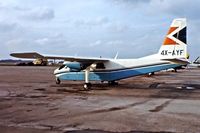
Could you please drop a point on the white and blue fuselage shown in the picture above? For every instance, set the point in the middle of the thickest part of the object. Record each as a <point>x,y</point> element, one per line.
<point>117,69</point>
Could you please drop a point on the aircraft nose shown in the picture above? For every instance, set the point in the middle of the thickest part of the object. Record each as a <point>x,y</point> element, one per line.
<point>56,71</point>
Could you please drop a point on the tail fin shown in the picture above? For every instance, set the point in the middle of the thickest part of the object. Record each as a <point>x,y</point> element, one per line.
<point>175,43</point>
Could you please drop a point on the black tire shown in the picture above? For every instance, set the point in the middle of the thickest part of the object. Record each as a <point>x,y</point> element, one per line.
<point>87,86</point>
<point>112,83</point>
<point>58,81</point>
<point>152,73</point>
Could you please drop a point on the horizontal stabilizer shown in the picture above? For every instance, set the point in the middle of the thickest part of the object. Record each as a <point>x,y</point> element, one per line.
<point>178,61</point>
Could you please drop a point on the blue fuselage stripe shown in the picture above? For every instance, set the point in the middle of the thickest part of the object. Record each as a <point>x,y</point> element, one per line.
<point>115,75</point>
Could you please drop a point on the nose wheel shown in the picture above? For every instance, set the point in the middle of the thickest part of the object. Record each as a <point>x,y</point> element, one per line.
<point>58,81</point>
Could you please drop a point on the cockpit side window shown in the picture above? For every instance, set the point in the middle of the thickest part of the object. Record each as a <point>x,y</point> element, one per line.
<point>61,67</point>
<point>100,66</point>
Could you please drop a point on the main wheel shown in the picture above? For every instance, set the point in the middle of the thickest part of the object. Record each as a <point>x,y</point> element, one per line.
<point>58,81</point>
<point>150,74</point>
<point>112,83</point>
<point>87,86</point>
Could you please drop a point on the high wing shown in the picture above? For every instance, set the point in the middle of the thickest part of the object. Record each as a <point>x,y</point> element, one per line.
<point>35,55</point>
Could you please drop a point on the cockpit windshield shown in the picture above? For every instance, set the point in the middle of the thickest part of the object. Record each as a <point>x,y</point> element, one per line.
<point>61,67</point>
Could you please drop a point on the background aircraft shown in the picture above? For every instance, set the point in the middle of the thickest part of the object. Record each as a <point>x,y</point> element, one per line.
<point>195,63</point>
<point>172,53</point>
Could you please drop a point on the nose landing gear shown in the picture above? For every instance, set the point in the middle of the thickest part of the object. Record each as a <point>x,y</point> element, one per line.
<point>58,81</point>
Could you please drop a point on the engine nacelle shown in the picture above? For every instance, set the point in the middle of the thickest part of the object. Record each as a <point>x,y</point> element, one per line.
<point>76,66</point>
<point>68,67</point>
<point>71,67</point>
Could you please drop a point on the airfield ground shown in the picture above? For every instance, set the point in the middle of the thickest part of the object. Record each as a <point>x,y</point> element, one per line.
<point>30,101</point>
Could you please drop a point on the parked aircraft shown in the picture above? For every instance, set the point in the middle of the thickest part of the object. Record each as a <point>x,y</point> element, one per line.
<point>195,63</point>
<point>172,53</point>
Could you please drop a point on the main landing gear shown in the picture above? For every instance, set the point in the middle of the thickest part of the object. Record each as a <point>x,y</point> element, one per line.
<point>112,83</point>
<point>87,84</point>
<point>150,74</point>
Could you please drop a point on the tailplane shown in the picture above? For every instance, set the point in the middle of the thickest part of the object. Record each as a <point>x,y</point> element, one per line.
<point>175,42</point>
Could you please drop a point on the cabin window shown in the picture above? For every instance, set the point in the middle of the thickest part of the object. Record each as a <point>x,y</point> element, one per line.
<point>100,66</point>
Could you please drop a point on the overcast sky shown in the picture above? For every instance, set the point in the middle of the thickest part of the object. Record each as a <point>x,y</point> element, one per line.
<point>133,28</point>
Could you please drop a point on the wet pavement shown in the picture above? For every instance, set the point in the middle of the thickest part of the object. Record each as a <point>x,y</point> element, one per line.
<point>30,101</point>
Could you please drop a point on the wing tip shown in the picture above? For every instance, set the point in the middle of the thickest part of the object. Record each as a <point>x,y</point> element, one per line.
<point>27,55</point>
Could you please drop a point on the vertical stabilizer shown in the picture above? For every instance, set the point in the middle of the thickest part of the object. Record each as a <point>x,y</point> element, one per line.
<point>175,42</point>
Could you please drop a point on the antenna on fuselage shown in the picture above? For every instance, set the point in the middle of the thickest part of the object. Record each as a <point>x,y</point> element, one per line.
<point>116,56</point>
